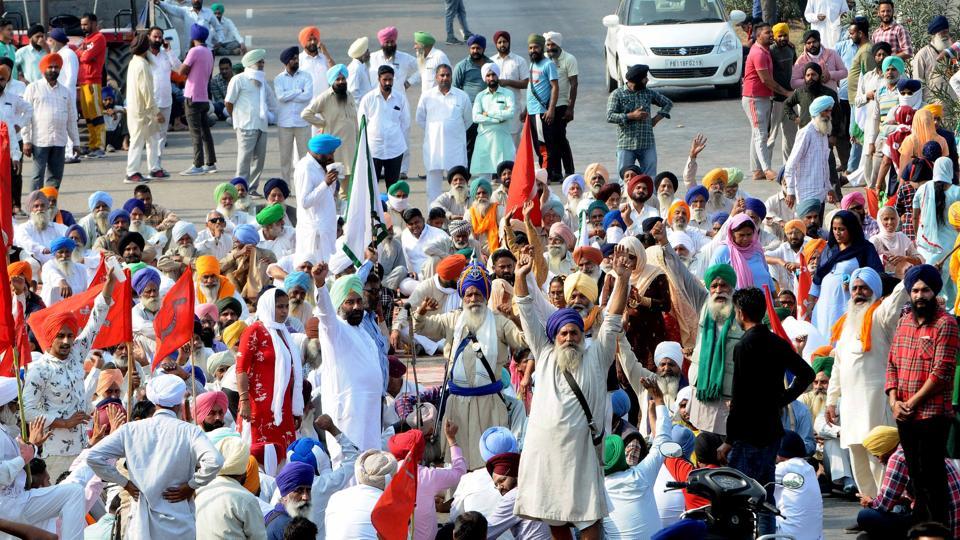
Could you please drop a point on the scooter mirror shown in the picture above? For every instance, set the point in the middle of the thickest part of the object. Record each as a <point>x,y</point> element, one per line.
<point>672,449</point>
<point>793,481</point>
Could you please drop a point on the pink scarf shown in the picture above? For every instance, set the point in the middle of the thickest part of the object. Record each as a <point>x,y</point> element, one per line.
<point>740,256</point>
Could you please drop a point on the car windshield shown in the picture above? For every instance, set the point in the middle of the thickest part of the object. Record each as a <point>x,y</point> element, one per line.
<point>644,12</point>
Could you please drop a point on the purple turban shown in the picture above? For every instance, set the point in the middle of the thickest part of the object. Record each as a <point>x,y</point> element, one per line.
<point>693,192</point>
<point>477,39</point>
<point>293,475</point>
<point>199,33</point>
<point>143,278</point>
<point>474,275</point>
<point>756,206</point>
<point>561,318</point>
<point>79,229</point>
<point>925,273</point>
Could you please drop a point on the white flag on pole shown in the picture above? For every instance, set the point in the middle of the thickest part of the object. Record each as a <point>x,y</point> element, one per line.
<point>363,224</point>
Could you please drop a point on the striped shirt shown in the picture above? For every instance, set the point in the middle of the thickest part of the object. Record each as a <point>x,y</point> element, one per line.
<point>896,35</point>
<point>807,171</point>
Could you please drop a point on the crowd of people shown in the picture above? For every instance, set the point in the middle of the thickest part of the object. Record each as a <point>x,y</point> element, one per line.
<point>581,329</point>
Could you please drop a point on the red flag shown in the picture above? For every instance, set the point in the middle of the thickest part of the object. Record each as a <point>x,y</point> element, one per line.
<point>6,192</point>
<point>873,202</point>
<point>100,275</point>
<point>21,345</point>
<point>804,282</point>
<point>7,325</point>
<point>523,183</point>
<point>775,325</point>
<point>117,328</point>
<point>391,514</point>
<point>174,322</point>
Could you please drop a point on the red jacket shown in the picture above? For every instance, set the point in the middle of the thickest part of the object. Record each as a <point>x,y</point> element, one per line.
<point>680,469</point>
<point>92,53</point>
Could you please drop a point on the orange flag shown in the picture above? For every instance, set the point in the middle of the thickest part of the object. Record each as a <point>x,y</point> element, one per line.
<point>873,202</point>
<point>6,199</point>
<point>804,282</point>
<point>174,321</point>
<point>523,183</point>
<point>391,514</point>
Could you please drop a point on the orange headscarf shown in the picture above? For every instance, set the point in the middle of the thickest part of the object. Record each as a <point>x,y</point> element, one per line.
<point>307,33</point>
<point>252,482</point>
<point>486,223</point>
<point>924,129</point>
<point>20,268</point>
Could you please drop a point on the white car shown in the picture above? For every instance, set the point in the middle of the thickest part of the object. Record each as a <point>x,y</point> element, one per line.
<point>684,43</point>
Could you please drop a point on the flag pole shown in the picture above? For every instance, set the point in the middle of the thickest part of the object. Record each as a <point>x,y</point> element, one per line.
<point>193,384</point>
<point>23,415</point>
<point>130,369</point>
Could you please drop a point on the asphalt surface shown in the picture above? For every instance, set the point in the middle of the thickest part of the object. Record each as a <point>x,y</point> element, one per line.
<point>274,26</point>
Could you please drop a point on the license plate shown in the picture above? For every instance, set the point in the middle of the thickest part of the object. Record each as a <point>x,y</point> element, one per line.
<point>684,63</point>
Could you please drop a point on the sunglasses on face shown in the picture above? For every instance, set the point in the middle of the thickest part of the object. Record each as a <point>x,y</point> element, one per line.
<point>219,220</point>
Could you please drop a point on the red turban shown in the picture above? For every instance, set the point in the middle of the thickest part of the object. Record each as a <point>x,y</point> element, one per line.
<point>20,268</point>
<point>500,33</point>
<point>403,443</point>
<point>307,33</point>
<point>588,253</point>
<point>206,402</point>
<point>641,178</point>
<point>451,267</point>
<point>54,323</point>
<point>52,59</point>
<point>505,464</point>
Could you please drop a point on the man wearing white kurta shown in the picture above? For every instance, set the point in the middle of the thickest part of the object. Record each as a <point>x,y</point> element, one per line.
<point>514,74</point>
<point>444,113</point>
<point>162,487</point>
<point>824,17</point>
<point>57,41</point>
<point>561,475</point>
<point>316,197</point>
<point>225,509</point>
<point>429,58</point>
<point>61,276</point>
<point>348,512</point>
<point>358,71</point>
<point>387,113</point>
<point>162,63</point>
<point>351,379</point>
<point>860,371</point>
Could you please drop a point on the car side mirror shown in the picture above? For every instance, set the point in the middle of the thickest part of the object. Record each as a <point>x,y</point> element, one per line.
<point>672,449</point>
<point>792,481</point>
<point>613,20</point>
<point>737,16</point>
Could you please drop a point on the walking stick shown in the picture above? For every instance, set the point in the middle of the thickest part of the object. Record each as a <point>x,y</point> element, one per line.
<point>946,258</point>
<point>413,364</point>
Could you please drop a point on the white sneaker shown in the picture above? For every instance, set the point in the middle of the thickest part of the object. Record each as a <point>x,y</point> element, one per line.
<point>193,171</point>
<point>209,169</point>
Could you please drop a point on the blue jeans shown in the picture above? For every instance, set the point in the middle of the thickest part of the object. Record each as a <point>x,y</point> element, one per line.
<point>455,9</point>
<point>759,463</point>
<point>47,159</point>
<point>856,150</point>
<point>881,525</point>
<point>645,158</point>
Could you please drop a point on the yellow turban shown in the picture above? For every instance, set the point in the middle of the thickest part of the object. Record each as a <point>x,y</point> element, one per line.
<point>594,168</point>
<point>953,214</point>
<point>231,334</point>
<point>578,281</point>
<point>781,29</point>
<point>935,109</point>
<point>207,264</point>
<point>881,440</point>
<point>795,225</point>
<point>717,175</point>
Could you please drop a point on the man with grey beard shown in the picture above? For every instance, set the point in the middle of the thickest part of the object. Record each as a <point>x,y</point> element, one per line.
<point>95,223</point>
<point>461,237</point>
<point>478,342</point>
<point>925,62</point>
<point>36,234</point>
<point>455,201</point>
<point>146,285</point>
<point>711,364</point>
<point>859,371</point>
<point>561,478</point>
<point>807,171</point>
<point>181,250</point>
<point>61,276</point>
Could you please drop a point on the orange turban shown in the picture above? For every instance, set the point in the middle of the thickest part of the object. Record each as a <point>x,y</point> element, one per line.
<point>52,325</point>
<point>252,482</point>
<point>673,208</point>
<point>588,253</point>
<point>108,378</point>
<point>450,268</point>
<point>207,264</point>
<point>813,248</point>
<point>52,59</point>
<point>50,191</point>
<point>307,33</point>
<point>795,224</point>
<point>824,350</point>
<point>20,268</point>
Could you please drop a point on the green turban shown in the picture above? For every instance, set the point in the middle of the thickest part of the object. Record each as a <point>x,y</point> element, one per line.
<point>398,187</point>
<point>135,267</point>
<point>342,288</point>
<point>466,252</point>
<point>734,176</point>
<point>537,39</point>
<point>782,313</point>
<point>614,454</point>
<point>895,61</point>
<point>480,183</point>
<point>722,271</point>
<point>424,38</point>
<point>225,187</point>
<point>824,364</point>
<point>597,205</point>
<point>217,6</point>
<point>270,214</point>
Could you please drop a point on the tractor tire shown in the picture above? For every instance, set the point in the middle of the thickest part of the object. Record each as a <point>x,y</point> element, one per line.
<point>118,58</point>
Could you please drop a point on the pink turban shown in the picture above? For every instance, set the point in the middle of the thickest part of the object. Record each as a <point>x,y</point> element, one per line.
<point>389,33</point>
<point>208,309</point>
<point>561,230</point>
<point>206,402</point>
<point>852,199</point>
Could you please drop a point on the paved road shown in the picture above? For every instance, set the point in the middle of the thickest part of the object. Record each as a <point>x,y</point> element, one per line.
<point>275,26</point>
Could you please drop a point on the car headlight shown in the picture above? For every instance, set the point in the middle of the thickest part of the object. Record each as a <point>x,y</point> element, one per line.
<point>727,43</point>
<point>633,46</point>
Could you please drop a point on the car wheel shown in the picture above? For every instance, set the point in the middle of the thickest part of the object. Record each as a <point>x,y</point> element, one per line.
<point>612,84</point>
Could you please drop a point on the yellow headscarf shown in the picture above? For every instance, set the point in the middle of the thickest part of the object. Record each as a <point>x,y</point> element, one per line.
<point>935,109</point>
<point>716,175</point>
<point>231,334</point>
<point>881,440</point>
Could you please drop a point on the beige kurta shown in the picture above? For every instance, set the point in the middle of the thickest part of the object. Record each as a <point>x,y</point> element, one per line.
<point>329,115</point>
<point>249,278</point>
<point>473,414</point>
<point>561,476</point>
<point>712,416</point>
<point>227,510</point>
<point>141,109</point>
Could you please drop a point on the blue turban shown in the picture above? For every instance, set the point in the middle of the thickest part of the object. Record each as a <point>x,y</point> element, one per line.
<point>820,104</point>
<point>613,217</point>
<point>134,203</point>
<point>199,33</point>
<point>276,183</point>
<point>474,275</point>
<point>304,451</point>
<point>477,39</point>
<point>118,214</point>
<point>791,446</point>
<point>62,243</point>
<point>719,218</point>
<point>570,181</point>
<point>937,24</point>
<point>323,143</point>
<point>497,440</point>
<point>108,92</point>
<point>240,180</point>
<point>99,197</point>
<point>335,72</point>
<point>693,192</point>
<point>925,273</point>
<point>289,54</point>
<point>648,224</point>
<point>246,234</point>
<point>480,183</point>
<point>59,35</point>
<point>607,249</point>
<point>870,277</point>
<point>685,438</point>
<point>144,277</point>
<point>620,401</point>
<point>294,475</point>
<point>757,207</point>
<point>561,318</point>
<point>912,85</point>
<point>808,206</point>
<point>78,228</point>
<point>297,279</point>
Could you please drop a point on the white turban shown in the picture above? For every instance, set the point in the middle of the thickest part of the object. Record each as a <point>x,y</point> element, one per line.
<point>680,238</point>
<point>166,390</point>
<point>671,350</point>
<point>8,390</point>
<point>182,228</point>
<point>555,37</point>
<point>358,47</point>
<point>487,68</point>
<point>375,468</point>
<point>236,455</point>
<point>301,258</point>
<point>339,263</point>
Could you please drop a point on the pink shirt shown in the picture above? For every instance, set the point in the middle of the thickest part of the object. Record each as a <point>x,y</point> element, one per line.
<point>430,482</point>
<point>758,59</point>
<point>200,60</point>
<point>830,62</point>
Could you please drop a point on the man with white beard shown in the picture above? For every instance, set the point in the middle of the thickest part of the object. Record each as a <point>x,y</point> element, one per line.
<point>146,285</point>
<point>859,372</point>
<point>669,360</point>
<point>678,218</point>
<point>81,255</point>
<point>696,198</point>
<point>95,223</point>
<point>485,215</point>
<point>572,189</point>
<point>560,242</point>
<point>33,507</point>
<point>299,287</point>
<point>274,235</point>
<point>61,276</point>
<point>455,201</point>
<point>156,240</point>
<point>666,185</point>
<point>561,479</point>
<point>37,233</point>
<point>711,364</point>
<point>180,252</point>
<point>925,62</point>
<point>807,171</point>
<point>716,182</point>
<point>477,345</point>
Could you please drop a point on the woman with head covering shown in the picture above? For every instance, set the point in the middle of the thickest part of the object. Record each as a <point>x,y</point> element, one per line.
<point>936,236</point>
<point>894,248</point>
<point>924,130</point>
<point>846,251</point>
<point>741,249</point>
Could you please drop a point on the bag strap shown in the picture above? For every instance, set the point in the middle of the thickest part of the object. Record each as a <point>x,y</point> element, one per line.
<point>533,91</point>
<point>483,359</point>
<point>595,434</point>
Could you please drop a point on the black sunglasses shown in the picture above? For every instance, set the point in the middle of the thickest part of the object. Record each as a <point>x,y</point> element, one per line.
<point>217,220</point>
